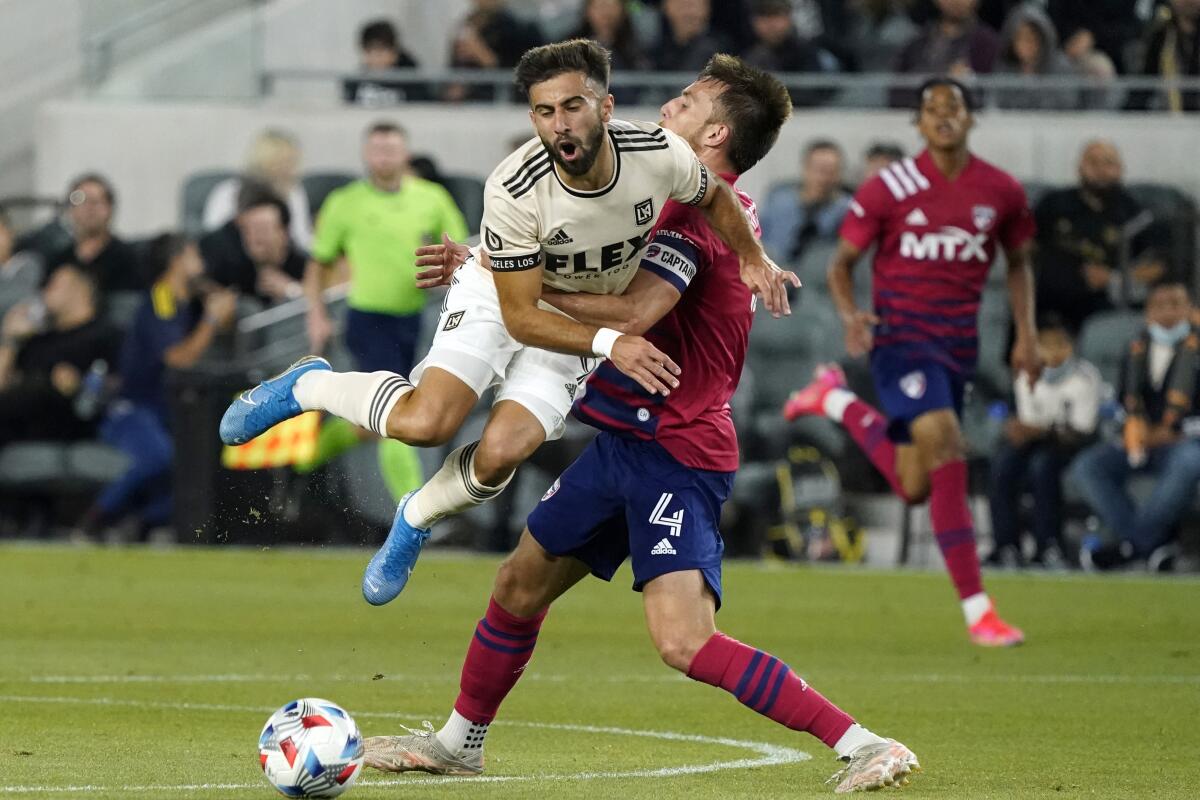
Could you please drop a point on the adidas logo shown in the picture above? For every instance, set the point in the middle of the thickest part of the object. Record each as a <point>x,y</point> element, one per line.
<point>663,548</point>
<point>560,238</point>
<point>916,217</point>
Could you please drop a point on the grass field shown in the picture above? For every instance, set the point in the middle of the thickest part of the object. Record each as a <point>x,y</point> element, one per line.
<point>135,673</point>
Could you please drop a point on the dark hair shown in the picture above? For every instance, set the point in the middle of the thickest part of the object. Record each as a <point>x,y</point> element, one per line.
<point>385,126</point>
<point>254,193</point>
<point>754,105</point>
<point>551,60</point>
<point>770,8</point>
<point>1053,321</point>
<point>625,42</point>
<point>1170,282</point>
<point>945,80</point>
<point>162,250</point>
<point>378,33</point>
<point>889,150</point>
<point>821,144</point>
<point>99,180</point>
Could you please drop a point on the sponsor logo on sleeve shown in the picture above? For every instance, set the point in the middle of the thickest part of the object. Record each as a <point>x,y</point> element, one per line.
<point>492,241</point>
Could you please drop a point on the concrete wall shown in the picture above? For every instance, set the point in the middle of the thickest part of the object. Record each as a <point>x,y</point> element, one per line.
<point>148,149</point>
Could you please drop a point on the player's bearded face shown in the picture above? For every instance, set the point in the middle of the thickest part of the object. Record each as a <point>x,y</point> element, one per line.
<point>574,153</point>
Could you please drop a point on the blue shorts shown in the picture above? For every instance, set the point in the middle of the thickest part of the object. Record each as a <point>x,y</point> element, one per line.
<point>626,497</point>
<point>385,342</point>
<point>910,385</point>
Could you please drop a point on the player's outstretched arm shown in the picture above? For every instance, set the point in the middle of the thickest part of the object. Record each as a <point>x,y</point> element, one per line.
<point>759,272</point>
<point>519,292</point>
<point>645,301</point>
<point>1020,294</point>
<point>437,262</point>
<point>857,323</point>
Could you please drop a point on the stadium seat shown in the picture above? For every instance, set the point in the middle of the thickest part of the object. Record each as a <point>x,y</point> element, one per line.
<point>194,194</point>
<point>467,192</point>
<point>318,185</point>
<point>1105,338</point>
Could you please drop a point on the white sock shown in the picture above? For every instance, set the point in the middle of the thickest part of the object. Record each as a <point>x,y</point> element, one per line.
<point>452,490</point>
<point>855,737</point>
<point>463,738</point>
<point>364,398</point>
<point>836,402</point>
<point>975,606</point>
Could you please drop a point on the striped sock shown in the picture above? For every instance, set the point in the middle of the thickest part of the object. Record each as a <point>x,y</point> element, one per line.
<point>363,398</point>
<point>452,490</point>
<point>502,646</point>
<point>950,517</point>
<point>763,683</point>
<point>869,430</point>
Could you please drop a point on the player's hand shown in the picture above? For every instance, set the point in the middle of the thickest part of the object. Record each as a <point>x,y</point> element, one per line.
<point>764,277</point>
<point>646,364</point>
<point>1025,358</point>
<point>860,332</point>
<point>440,261</point>
<point>320,328</point>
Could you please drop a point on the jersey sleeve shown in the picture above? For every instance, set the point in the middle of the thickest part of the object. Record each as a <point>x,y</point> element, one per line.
<point>1018,226</point>
<point>329,237</point>
<point>675,253</point>
<point>510,230</point>
<point>864,220</point>
<point>689,178</point>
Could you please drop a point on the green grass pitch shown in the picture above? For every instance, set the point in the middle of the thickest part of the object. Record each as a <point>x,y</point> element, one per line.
<point>148,674</point>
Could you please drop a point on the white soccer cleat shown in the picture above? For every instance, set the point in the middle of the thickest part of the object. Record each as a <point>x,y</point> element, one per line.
<point>874,766</point>
<point>418,751</point>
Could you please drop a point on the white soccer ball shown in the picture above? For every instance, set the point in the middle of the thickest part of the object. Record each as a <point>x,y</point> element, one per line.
<point>311,748</point>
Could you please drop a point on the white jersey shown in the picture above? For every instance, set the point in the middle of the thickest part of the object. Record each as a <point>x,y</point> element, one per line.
<point>587,241</point>
<point>1071,402</point>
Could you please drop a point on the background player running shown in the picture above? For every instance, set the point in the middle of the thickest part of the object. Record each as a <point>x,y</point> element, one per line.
<point>570,210</point>
<point>653,481</point>
<point>938,221</point>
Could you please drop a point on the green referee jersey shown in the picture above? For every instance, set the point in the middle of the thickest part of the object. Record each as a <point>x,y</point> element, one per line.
<point>379,232</point>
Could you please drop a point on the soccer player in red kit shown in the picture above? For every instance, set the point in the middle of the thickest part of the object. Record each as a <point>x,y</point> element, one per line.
<point>938,221</point>
<point>651,485</point>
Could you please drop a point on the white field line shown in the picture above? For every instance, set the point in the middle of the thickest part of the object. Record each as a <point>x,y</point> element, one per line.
<point>664,677</point>
<point>767,754</point>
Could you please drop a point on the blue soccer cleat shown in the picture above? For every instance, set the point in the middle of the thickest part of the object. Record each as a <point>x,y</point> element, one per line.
<point>387,574</point>
<point>257,410</point>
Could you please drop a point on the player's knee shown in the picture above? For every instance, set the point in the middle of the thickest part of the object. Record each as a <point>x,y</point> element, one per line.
<point>939,438</point>
<point>499,455</point>
<point>418,426</point>
<point>916,488</point>
<point>514,592</point>
<point>677,650</point>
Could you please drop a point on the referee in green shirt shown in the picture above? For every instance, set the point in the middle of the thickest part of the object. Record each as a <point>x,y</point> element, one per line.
<point>377,223</point>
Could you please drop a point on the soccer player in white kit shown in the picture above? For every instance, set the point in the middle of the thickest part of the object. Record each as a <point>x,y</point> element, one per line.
<point>570,210</point>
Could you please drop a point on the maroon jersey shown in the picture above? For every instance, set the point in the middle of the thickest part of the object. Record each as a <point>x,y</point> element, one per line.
<point>936,240</point>
<point>706,334</point>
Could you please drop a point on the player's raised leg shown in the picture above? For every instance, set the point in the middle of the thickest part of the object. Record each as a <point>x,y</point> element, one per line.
<point>680,610</point>
<point>470,476</point>
<point>528,581</point>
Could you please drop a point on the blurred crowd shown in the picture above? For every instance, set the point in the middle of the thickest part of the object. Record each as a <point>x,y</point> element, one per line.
<point>1095,40</point>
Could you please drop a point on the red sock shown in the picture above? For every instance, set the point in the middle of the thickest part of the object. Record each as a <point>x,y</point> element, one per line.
<point>502,646</point>
<point>868,428</point>
<point>764,683</point>
<point>952,526</point>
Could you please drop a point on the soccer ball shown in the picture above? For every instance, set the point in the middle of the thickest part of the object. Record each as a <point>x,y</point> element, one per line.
<point>311,748</point>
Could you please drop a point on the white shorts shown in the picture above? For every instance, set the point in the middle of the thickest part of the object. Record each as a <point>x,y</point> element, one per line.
<point>472,344</point>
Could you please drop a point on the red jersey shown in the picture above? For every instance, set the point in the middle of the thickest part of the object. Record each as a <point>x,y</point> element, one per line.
<point>937,240</point>
<point>706,334</point>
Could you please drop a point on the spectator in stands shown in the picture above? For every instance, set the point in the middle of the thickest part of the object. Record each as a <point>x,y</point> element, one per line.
<point>274,159</point>
<point>1159,393</point>
<point>253,253</point>
<point>957,43</point>
<point>380,51</point>
<point>1097,31</point>
<point>1055,418</point>
<point>173,329</point>
<point>20,272</point>
<point>377,224</point>
<point>795,217</point>
<point>779,47</point>
<point>1172,51</point>
<point>686,42</point>
<point>94,247</point>
<point>490,37</point>
<point>47,345</point>
<point>1029,48</point>
<point>1083,233</point>
<point>609,22</point>
<point>877,30</point>
<point>878,155</point>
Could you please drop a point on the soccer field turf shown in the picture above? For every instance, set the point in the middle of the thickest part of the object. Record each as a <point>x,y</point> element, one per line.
<point>137,673</point>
